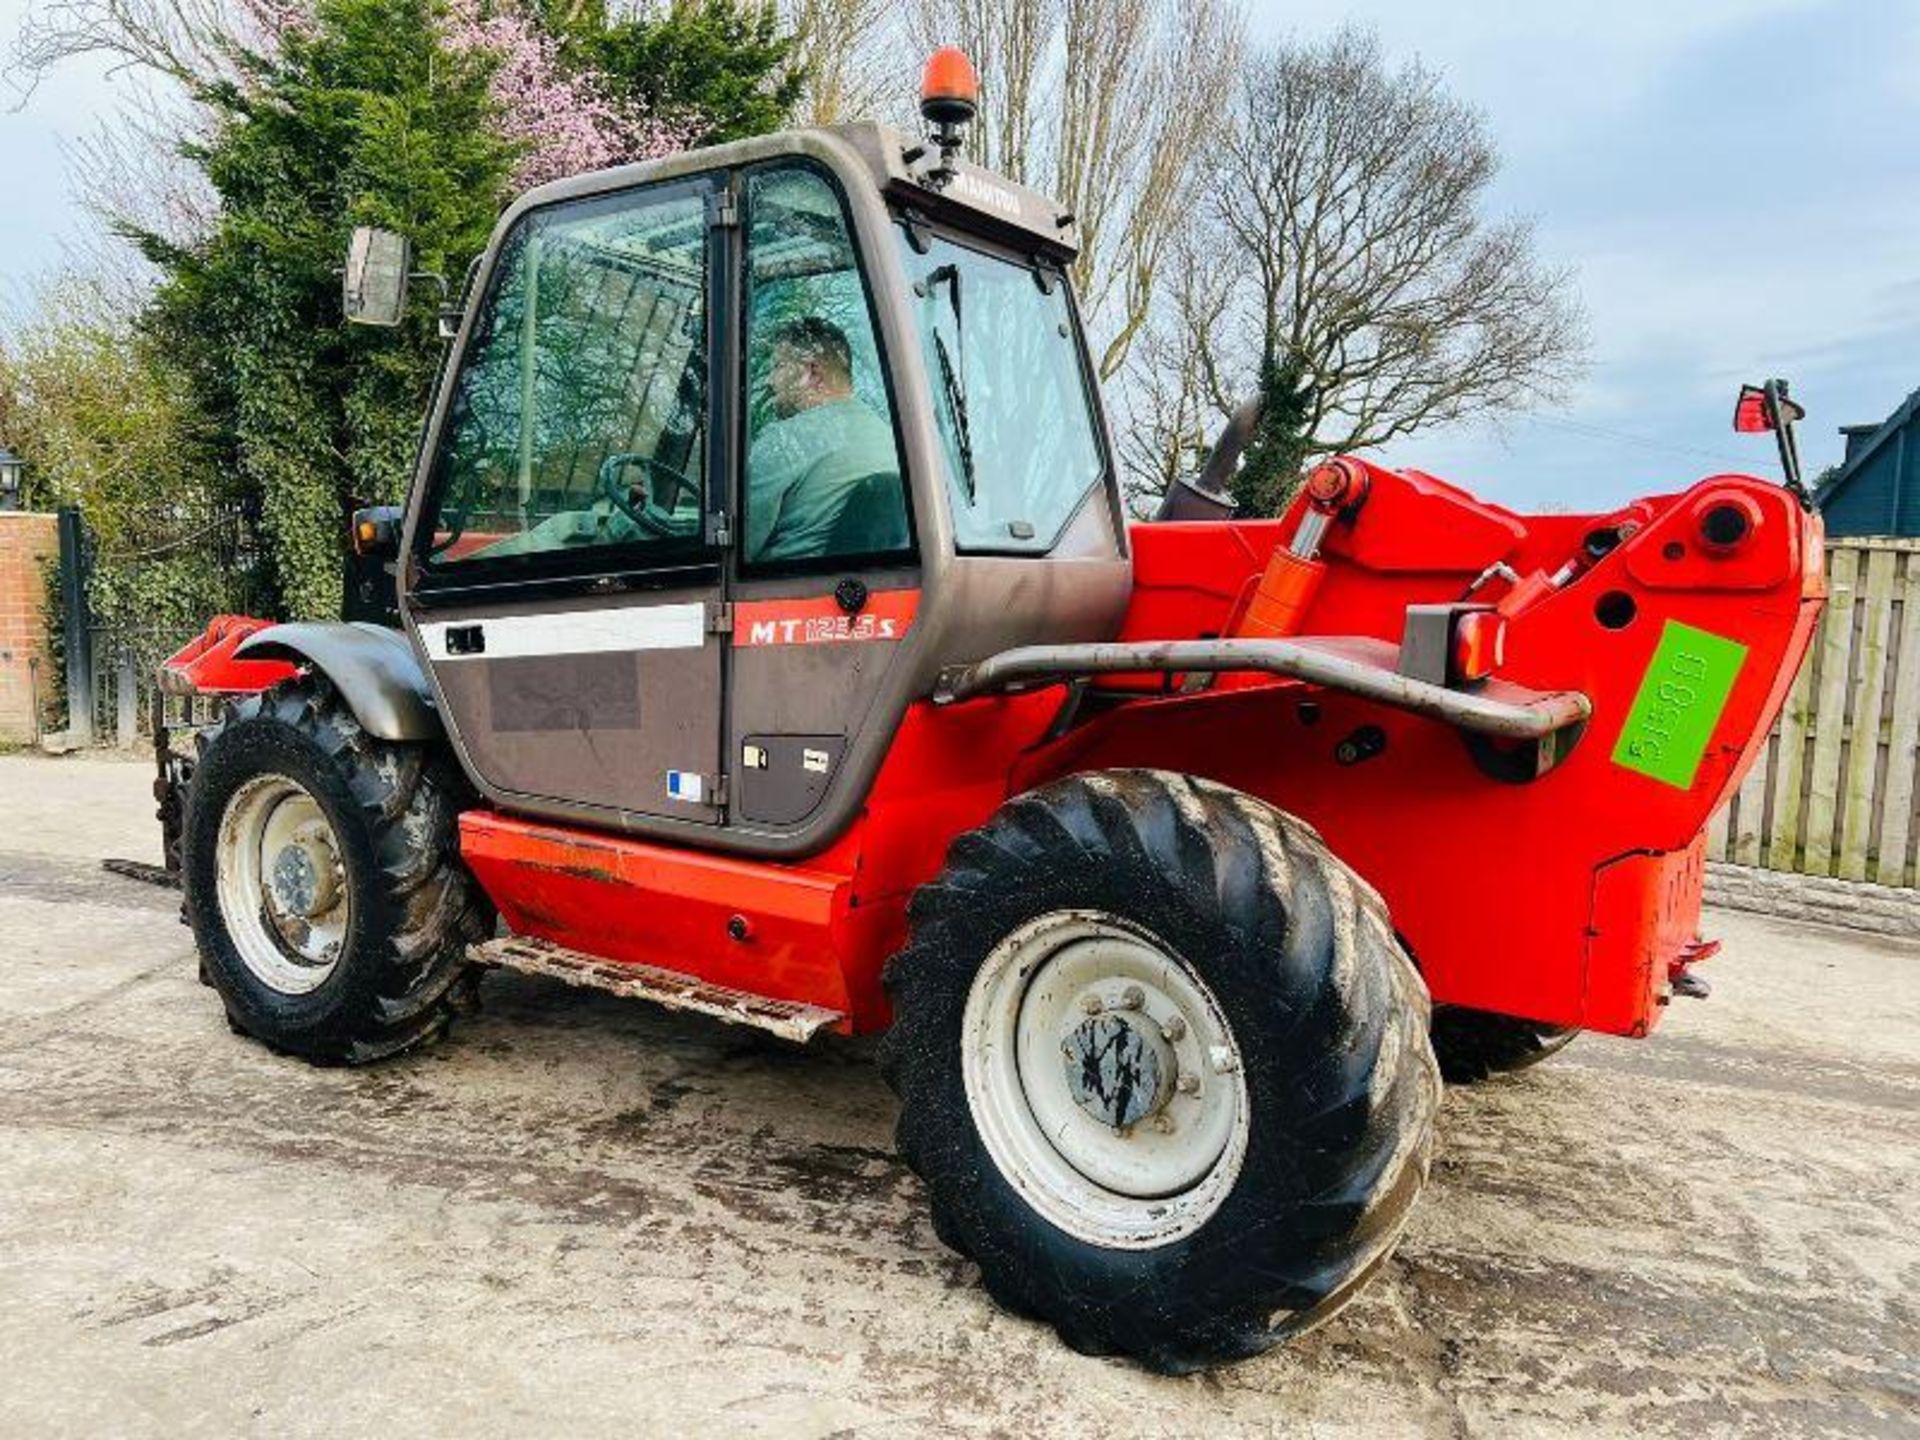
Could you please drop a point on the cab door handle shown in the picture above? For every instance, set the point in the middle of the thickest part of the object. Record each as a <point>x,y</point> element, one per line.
<point>466,640</point>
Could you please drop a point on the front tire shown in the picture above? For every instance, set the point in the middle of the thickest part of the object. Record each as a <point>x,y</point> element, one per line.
<point>323,881</point>
<point>1162,1065</point>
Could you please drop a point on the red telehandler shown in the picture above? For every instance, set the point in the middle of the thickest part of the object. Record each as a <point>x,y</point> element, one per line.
<point>771,642</point>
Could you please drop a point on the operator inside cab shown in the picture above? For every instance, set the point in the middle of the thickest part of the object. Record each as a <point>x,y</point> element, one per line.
<point>823,469</point>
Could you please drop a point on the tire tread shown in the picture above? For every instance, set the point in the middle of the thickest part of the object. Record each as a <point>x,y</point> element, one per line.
<point>1218,862</point>
<point>428,908</point>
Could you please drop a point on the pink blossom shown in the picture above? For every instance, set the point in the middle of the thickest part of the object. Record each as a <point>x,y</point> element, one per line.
<point>261,24</point>
<point>562,122</point>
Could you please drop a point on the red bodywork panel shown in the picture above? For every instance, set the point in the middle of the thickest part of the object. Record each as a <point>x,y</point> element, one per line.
<point>631,901</point>
<point>817,931</point>
<point>1565,899</point>
<point>206,665</point>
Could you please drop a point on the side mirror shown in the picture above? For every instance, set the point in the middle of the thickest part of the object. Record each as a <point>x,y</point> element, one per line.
<point>373,289</point>
<point>376,532</point>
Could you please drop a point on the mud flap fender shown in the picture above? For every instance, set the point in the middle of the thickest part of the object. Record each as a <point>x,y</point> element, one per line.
<point>373,668</point>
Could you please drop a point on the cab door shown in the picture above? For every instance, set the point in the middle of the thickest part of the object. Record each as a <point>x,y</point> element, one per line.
<point>828,579</point>
<point>567,587</point>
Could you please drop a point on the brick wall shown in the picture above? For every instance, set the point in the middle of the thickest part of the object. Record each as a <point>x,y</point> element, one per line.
<point>25,540</point>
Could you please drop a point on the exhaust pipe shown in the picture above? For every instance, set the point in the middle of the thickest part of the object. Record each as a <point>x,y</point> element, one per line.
<point>1205,496</point>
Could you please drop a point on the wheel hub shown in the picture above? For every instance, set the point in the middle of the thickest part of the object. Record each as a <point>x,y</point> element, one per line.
<point>1118,1070</point>
<point>305,877</point>
<point>282,884</point>
<point>1104,1079</point>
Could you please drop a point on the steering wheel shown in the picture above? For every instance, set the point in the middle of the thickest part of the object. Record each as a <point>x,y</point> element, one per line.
<point>651,517</point>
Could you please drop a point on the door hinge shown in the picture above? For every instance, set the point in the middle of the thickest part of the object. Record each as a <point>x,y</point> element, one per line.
<point>719,617</point>
<point>723,211</point>
<point>718,794</point>
<point>719,530</point>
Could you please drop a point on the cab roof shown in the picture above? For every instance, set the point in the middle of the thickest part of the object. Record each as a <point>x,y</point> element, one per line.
<point>974,197</point>
<point>901,168</point>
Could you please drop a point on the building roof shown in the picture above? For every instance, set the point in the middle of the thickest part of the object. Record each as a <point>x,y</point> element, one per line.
<point>1864,451</point>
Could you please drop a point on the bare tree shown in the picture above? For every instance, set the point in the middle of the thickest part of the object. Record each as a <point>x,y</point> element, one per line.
<point>1344,247</point>
<point>851,53</point>
<point>1108,106</point>
<point>1173,398</point>
<point>131,172</point>
<point>187,42</point>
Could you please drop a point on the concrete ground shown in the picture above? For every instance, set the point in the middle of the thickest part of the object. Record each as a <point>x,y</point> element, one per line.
<point>585,1216</point>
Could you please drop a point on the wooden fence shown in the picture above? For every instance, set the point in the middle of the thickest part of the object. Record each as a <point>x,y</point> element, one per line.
<point>1834,793</point>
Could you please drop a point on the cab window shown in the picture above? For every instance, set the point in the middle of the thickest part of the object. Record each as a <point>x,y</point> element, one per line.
<point>823,475</point>
<point>578,422</point>
<point>1011,394</point>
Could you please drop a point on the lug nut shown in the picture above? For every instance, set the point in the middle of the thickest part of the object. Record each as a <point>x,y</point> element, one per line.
<point>1175,1029</point>
<point>1162,1124</point>
<point>1188,1084</point>
<point>1092,1005</point>
<point>1132,998</point>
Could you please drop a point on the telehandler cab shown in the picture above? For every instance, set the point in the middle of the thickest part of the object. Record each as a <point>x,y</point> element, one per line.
<point>772,643</point>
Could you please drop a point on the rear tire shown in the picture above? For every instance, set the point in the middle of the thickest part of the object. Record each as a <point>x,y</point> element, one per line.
<point>1474,1045</point>
<point>323,881</point>
<point>1315,1028</point>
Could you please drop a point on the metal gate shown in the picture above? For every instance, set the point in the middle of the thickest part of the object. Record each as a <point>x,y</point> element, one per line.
<point>137,615</point>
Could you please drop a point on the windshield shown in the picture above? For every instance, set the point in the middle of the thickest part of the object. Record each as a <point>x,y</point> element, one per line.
<point>1009,392</point>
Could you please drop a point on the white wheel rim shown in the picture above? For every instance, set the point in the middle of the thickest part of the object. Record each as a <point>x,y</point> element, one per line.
<point>282,885</point>
<point>1061,992</point>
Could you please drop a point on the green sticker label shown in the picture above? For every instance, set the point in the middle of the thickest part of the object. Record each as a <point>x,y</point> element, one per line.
<point>1680,700</point>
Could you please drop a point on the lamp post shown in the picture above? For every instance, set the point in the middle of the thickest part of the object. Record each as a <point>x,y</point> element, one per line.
<point>11,469</point>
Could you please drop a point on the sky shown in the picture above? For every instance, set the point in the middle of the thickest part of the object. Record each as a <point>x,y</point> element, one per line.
<point>1734,183</point>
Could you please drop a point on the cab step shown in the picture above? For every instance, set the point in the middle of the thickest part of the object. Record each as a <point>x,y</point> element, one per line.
<point>789,1019</point>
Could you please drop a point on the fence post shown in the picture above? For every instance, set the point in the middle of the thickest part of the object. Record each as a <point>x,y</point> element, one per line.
<point>79,641</point>
<point>126,702</point>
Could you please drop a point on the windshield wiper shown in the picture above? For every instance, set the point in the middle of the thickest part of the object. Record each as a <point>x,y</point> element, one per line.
<point>952,379</point>
<point>957,404</point>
